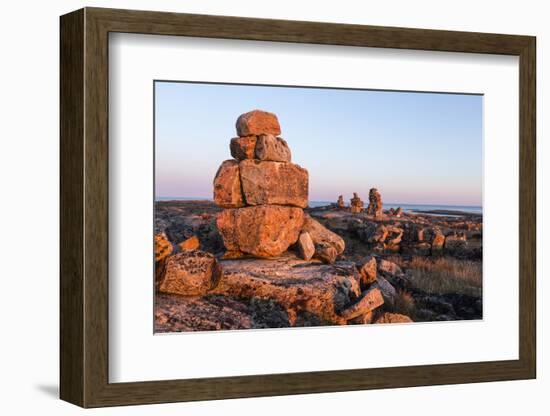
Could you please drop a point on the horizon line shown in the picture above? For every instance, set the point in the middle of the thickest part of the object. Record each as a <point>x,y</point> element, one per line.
<point>323,200</point>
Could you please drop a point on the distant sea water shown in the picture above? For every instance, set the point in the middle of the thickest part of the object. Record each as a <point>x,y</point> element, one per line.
<point>315,204</point>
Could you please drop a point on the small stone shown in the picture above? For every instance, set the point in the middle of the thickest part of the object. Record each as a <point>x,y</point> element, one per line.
<point>365,319</point>
<point>233,254</point>
<point>190,244</point>
<point>367,270</point>
<point>320,234</point>
<point>306,248</point>
<point>272,148</point>
<point>388,291</point>
<point>190,273</point>
<point>243,147</point>
<point>163,247</point>
<point>258,122</point>
<point>369,300</point>
<point>388,267</point>
<point>393,318</point>
<point>227,186</point>
<point>325,252</point>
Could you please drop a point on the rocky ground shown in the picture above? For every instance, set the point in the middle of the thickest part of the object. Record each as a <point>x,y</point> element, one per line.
<point>396,267</point>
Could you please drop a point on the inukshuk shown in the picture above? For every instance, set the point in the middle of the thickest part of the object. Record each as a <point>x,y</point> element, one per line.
<point>375,203</point>
<point>263,194</point>
<point>356,204</point>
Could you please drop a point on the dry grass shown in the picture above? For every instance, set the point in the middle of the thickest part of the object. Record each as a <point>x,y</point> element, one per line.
<point>404,303</point>
<point>443,275</point>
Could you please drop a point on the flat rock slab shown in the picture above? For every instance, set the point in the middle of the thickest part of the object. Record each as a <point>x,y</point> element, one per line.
<point>175,313</point>
<point>300,287</point>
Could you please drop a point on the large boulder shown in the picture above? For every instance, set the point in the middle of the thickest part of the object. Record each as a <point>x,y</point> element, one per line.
<point>275,149</point>
<point>227,185</point>
<point>277,183</point>
<point>320,234</point>
<point>258,122</point>
<point>243,147</point>
<point>263,231</point>
<point>302,288</point>
<point>190,273</point>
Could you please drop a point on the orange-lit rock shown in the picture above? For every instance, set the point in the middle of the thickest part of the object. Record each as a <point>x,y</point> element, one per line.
<point>275,149</point>
<point>320,234</point>
<point>243,147</point>
<point>367,270</point>
<point>190,244</point>
<point>369,301</point>
<point>393,318</point>
<point>258,122</point>
<point>263,231</point>
<point>325,252</point>
<point>277,183</point>
<point>301,287</point>
<point>227,185</point>
<point>163,247</point>
<point>306,248</point>
<point>190,273</point>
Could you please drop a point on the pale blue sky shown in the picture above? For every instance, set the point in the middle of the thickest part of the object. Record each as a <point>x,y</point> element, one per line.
<point>416,148</point>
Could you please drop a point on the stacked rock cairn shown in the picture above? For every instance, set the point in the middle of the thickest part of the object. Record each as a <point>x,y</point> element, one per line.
<point>340,203</point>
<point>263,195</point>
<point>356,204</point>
<point>375,203</point>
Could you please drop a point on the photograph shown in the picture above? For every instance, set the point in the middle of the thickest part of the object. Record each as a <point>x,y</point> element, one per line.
<point>298,206</point>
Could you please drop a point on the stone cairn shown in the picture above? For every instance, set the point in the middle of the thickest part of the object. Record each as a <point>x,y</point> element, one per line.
<point>340,203</point>
<point>375,203</point>
<point>263,195</point>
<point>356,204</point>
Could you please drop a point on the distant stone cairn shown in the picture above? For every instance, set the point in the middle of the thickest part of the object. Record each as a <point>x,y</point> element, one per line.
<point>356,204</point>
<point>375,203</point>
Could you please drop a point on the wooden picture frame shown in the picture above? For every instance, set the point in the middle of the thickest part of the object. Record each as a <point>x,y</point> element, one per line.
<point>84,207</point>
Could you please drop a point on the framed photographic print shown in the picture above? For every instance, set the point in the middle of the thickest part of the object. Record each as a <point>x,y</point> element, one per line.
<point>255,207</point>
